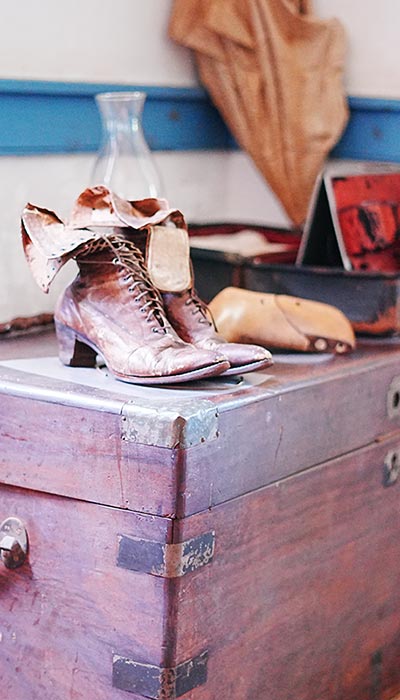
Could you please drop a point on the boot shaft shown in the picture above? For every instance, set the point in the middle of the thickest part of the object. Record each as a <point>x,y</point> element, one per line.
<point>185,311</point>
<point>112,274</point>
<point>97,267</point>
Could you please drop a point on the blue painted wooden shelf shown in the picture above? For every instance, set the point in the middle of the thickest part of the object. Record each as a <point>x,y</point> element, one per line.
<point>373,132</point>
<point>52,117</point>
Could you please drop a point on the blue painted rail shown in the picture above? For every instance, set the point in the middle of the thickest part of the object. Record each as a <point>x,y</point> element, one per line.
<point>373,132</point>
<point>51,117</point>
<point>55,117</point>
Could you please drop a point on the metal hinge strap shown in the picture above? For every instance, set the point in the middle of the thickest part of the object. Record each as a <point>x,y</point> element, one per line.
<point>165,560</point>
<point>158,683</point>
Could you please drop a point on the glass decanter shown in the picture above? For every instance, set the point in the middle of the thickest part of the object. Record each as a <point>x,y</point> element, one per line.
<point>124,162</point>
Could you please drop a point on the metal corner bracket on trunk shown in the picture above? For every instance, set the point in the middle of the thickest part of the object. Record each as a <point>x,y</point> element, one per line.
<point>158,683</point>
<point>170,424</point>
<point>165,560</point>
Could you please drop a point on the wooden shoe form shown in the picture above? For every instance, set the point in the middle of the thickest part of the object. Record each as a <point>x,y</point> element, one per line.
<point>281,322</point>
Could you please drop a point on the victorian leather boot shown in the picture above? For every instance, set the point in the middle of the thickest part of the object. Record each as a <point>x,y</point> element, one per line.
<point>112,309</point>
<point>168,262</point>
<point>167,256</point>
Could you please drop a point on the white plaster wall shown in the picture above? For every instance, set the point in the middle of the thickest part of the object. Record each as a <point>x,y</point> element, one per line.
<point>123,41</point>
<point>373,66</point>
<point>126,41</point>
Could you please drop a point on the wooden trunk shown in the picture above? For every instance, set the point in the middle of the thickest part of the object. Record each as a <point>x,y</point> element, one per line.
<point>224,541</point>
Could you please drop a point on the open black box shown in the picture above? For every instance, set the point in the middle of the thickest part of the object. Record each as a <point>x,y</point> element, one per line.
<point>214,270</point>
<point>322,271</point>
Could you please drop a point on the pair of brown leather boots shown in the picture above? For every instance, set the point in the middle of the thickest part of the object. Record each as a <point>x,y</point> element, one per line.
<point>133,301</point>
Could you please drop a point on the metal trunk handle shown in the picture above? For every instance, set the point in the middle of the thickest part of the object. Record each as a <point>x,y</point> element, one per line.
<point>13,543</point>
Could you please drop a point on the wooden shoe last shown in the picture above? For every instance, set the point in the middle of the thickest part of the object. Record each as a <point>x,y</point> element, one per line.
<point>281,322</point>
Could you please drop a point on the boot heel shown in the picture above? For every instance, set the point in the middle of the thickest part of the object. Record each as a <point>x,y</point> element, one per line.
<point>73,351</point>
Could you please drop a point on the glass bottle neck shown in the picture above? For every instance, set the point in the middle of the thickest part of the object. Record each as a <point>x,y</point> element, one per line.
<point>121,113</point>
<point>124,162</point>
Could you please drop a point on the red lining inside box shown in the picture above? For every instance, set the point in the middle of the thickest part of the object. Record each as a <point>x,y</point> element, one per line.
<point>368,209</point>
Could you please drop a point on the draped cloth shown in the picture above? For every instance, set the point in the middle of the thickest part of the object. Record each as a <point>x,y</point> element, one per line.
<point>274,71</point>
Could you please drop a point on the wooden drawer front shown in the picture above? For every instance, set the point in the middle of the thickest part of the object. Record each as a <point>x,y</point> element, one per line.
<point>302,599</point>
<point>70,608</point>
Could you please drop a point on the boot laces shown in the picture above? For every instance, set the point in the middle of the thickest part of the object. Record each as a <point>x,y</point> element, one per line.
<point>200,308</point>
<point>129,258</point>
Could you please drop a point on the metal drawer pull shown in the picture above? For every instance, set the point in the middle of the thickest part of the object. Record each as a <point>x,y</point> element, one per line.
<point>13,543</point>
<point>391,468</point>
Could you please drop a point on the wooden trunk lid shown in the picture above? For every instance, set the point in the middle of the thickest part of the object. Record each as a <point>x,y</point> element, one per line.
<point>174,452</point>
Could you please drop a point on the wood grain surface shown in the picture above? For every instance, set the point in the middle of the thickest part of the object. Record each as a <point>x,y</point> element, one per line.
<point>80,453</point>
<point>306,422</point>
<point>69,609</point>
<point>302,415</point>
<point>302,598</point>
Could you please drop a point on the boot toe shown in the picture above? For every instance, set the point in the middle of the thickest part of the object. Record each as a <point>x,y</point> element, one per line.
<point>191,358</point>
<point>182,360</point>
<point>241,355</point>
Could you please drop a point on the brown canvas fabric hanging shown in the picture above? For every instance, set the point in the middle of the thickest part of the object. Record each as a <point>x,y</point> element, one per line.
<point>274,71</point>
